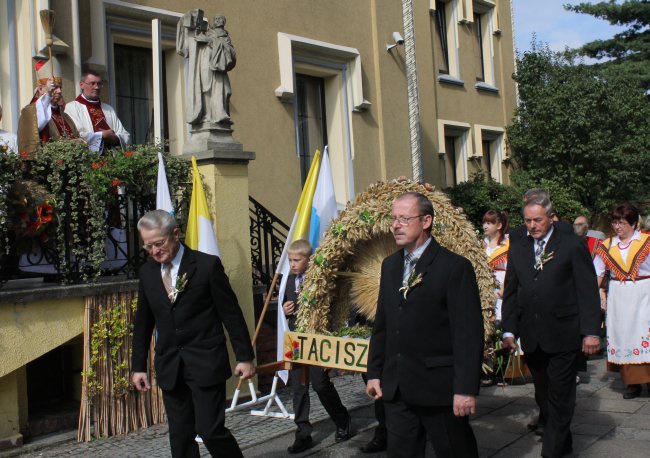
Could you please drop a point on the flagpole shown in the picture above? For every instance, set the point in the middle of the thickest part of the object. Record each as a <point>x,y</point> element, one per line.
<point>261,319</point>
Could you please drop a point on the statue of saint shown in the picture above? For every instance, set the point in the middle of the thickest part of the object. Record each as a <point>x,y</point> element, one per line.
<point>211,56</point>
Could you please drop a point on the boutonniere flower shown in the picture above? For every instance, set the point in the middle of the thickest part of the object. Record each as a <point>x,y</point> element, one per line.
<point>412,281</point>
<point>543,259</point>
<point>181,283</point>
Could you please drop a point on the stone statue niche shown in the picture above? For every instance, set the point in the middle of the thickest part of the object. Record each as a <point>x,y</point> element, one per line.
<point>209,55</point>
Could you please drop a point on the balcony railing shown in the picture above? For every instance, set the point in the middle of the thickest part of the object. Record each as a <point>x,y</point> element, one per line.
<point>70,216</point>
<point>268,235</point>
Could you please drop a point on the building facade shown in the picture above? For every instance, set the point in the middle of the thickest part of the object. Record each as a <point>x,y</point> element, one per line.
<point>309,73</point>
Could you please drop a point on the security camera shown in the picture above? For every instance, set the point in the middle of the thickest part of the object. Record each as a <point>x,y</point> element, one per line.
<point>398,40</point>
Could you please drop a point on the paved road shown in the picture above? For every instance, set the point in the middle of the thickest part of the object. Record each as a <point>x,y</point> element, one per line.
<point>605,425</point>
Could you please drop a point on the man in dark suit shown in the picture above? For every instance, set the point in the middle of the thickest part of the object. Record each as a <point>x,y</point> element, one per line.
<point>191,356</point>
<point>427,341</point>
<point>551,302</point>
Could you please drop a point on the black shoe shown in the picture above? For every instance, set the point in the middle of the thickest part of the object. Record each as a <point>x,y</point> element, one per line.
<point>537,428</point>
<point>343,434</point>
<point>376,445</point>
<point>633,391</point>
<point>300,445</point>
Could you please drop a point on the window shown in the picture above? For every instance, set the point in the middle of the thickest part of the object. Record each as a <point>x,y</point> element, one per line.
<point>478,48</point>
<point>440,42</point>
<point>490,141</point>
<point>311,125</point>
<point>451,161</point>
<point>337,69</point>
<point>446,40</point>
<point>484,19</point>
<point>455,149</point>
<point>134,92</point>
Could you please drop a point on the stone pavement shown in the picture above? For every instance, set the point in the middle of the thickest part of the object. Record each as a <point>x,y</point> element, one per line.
<point>605,425</point>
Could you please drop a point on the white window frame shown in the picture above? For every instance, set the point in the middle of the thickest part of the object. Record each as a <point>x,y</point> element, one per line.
<point>464,151</point>
<point>496,135</point>
<point>340,67</point>
<point>486,9</point>
<point>455,16</point>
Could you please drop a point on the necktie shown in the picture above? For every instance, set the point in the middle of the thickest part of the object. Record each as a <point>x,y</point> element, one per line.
<point>167,278</point>
<point>539,250</point>
<point>409,264</point>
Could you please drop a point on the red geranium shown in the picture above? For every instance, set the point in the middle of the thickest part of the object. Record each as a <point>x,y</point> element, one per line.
<point>96,165</point>
<point>59,161</point>
<point>116,182</point>
<point>24,154</point>
<point>129,153</point>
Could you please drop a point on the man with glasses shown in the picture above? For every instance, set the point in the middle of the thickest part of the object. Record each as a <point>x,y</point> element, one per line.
<point>427,340</point>
<point>96,121</point>
<point>186,296</point>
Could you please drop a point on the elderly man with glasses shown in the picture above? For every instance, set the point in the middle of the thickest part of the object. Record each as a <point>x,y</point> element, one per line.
<point>186,296</point>
<point>427,340</point>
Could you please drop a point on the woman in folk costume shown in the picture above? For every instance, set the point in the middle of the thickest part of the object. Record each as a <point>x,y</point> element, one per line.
<point>626,258</point>
<point>496,243</point>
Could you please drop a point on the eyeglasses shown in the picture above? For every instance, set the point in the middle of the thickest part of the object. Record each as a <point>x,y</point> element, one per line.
<point>159,244</point>
<point>403,220</point>
<point>94,83</point>
<point>620,222</point>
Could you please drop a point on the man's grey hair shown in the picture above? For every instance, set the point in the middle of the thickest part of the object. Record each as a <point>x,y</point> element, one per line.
<point>157,219</point>
<point>535,193</point>
<point>543,200</point>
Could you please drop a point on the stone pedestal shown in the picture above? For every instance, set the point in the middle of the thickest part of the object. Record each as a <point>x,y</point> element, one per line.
<point>223,164</point>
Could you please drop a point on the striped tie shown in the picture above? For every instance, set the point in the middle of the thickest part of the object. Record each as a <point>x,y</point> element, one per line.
<point>409,264</point>
<point>539,250</point>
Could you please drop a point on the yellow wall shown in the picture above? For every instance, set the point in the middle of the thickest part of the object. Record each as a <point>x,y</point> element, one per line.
<point>30,330</point>
<point>13,405</point>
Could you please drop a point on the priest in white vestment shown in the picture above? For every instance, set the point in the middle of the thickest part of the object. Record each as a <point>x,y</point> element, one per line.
<point>96,121</point>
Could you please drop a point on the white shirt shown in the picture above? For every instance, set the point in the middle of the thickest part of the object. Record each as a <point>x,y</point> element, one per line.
<point>9,139</point>
<point>176,264</point>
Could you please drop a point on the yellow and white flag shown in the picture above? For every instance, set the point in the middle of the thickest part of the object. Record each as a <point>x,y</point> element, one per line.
<point>200,232</point>
<point>299,230</point>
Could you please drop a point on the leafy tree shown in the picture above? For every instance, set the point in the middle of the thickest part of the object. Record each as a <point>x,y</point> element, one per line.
<point>582,129</point>
<point>627,52</point>
<point>479,195</point>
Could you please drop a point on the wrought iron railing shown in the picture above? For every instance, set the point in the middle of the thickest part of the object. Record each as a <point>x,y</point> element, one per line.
<point>268,235</point>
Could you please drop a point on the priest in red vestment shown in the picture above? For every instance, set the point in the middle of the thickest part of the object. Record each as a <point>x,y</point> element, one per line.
<point>44,118</point>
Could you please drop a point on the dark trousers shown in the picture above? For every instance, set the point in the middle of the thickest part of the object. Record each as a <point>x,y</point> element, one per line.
<point>409,426</point>
<point>327,394</point>
<point>192,410</point>
<point>554,376</point>
<point>381,434</point>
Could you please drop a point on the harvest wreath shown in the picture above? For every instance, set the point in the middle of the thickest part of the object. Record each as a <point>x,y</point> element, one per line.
<point>343,275</point>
